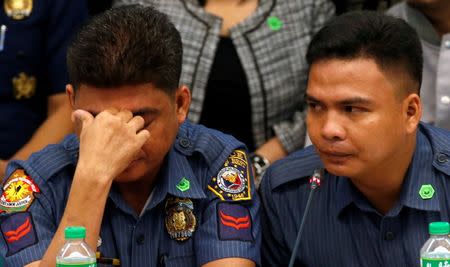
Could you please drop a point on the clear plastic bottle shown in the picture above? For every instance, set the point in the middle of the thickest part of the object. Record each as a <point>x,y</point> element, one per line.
<point>436,251</point>
<point>76,252</point>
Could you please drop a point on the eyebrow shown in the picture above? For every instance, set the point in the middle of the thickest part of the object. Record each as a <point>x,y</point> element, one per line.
<point>345,102</point>
<point>138,112</point>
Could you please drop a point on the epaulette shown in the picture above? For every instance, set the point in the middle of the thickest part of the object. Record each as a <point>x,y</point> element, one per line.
<point>213,145</point>
<point>298,165</point>
<point>440,143</point>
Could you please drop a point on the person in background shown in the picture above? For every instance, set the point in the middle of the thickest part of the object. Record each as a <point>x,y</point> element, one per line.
<point>33,40</point>
<point>431,20</point>
<point>386,174</point>
<point>150,188</point>
<point>244,62</point>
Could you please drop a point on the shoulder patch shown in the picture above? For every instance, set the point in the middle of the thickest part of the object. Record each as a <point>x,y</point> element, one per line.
<point>19,232</point>
<point>234,222</point>
<point>233,180</point>
<point>18,192</point>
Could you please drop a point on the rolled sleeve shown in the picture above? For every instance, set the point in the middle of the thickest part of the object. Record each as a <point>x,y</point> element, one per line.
<point>292,133</point>
<point>210,247</point>
<point>33,240</point>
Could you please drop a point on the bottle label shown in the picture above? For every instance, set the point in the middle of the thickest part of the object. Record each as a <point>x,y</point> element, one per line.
<point>76,264</point>
<point>426,262</point>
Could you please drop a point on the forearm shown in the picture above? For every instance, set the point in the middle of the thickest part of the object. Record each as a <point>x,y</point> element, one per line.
<point>84,208</point>
<point>272,150</point>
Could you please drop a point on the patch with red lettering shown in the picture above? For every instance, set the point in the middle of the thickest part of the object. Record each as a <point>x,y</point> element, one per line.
<point>234,221</point>
<point>18,232</point>
<point>18,192</point>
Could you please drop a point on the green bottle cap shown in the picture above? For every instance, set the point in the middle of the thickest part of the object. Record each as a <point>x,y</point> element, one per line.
<point>75,232</point>
<point>439,228</point>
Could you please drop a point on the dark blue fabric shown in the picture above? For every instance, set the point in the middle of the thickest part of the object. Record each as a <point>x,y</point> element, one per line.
<point>342,228</point>
<point>235,222</point>
<point>142,240</point>
<point>18,232</point>
<point>35,45</point>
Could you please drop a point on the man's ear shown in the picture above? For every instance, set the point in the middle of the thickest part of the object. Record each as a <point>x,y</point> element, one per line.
<point>412,110</point>
<point>182,103</point>
<point>70,92</point>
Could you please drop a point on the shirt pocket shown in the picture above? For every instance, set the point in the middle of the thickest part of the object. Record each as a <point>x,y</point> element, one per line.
<point>181,254</point>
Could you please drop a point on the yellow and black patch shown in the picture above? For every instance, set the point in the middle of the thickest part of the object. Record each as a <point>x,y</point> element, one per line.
<point>233,180</point>
<point>18,192</point>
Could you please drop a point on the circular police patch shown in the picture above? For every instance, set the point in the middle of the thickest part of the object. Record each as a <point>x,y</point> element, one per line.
<point>231,180</point>
<point>180,220</point>
<point>18,192</point>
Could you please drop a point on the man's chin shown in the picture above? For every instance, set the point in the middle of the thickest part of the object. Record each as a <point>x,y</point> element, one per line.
<point>134,172</point>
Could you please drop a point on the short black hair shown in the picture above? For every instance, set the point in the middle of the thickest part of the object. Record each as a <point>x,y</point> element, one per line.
<point>127,45</point>
<point>389,41</point>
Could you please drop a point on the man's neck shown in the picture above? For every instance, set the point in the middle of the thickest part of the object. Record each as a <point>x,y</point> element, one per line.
<point>136,193</point>
<point>382,187</point>
<point>439,16</point>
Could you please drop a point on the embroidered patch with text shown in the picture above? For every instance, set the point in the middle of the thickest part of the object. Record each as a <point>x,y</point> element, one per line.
<point>234,222</point>
<point>233,180</point>
<point>18,231</point>
<point>18,192</point>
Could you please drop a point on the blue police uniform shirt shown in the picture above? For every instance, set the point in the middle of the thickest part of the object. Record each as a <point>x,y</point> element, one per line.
<point>343,228</point>
<point>225,228</point>
<point>33,65</point>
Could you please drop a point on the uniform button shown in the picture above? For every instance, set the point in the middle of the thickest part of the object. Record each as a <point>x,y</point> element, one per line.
<point>445,100</point>
<point>447,44</point>
<point>185,142</point>
<point>140,239</point>
<point>389,236</point>
<point>442,158</point>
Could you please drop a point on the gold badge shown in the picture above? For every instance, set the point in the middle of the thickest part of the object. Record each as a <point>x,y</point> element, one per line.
<point>180,219</point>
<point>18,9</point>
<point>18,192</point>
<point>24,86</point>
<point>233,180</point>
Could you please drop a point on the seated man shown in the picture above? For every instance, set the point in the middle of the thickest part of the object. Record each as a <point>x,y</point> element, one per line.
<point>386,175</point>
<point>150,189</point>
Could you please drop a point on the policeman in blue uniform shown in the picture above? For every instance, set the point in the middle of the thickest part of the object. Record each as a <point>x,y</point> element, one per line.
<point>386,174</point>
<point>33,41</point>
<point>150,188</point>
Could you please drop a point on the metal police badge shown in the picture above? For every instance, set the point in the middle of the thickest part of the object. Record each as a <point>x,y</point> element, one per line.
<point>24,86</point>
<point>233,180</point>
<point>180,219</point>
<point>18,9</point>
<point>18,192</point>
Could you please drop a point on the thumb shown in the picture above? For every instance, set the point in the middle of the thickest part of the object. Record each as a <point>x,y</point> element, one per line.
<point>81,118</point>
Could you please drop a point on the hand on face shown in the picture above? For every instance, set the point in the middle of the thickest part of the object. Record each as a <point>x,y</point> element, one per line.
<point>109,142</point>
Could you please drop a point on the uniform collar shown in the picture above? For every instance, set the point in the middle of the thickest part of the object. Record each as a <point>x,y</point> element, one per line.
<point>420,172</point>
<point>422,25</point>
<point>175,168</point>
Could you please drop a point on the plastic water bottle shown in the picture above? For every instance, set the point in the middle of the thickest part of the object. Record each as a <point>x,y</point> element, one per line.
<point>436,251</point>
<point>76,252</point>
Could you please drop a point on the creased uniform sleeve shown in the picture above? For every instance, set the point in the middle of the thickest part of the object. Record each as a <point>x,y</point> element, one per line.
<point>230,228</point>
<point>273,250</point>
<point>28,231</point>
<point>292,132</point>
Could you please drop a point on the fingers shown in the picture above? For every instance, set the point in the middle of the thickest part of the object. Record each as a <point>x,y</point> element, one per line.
<point>124,115</point>
<point>81,118</point>
<point>136,123</point>
<point>142,137</point>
